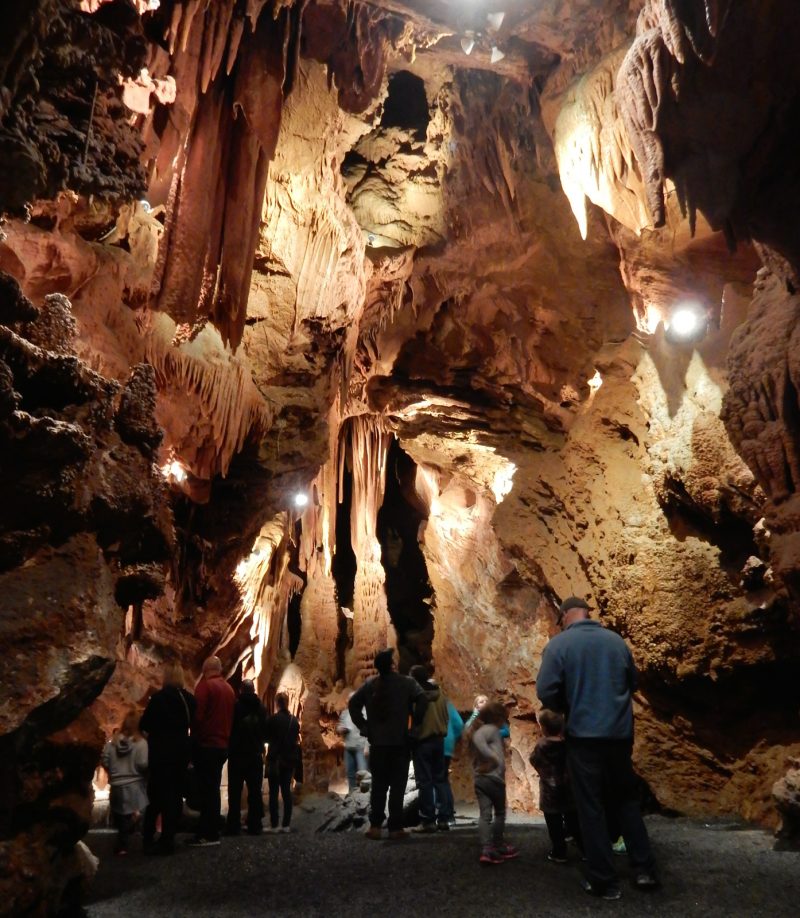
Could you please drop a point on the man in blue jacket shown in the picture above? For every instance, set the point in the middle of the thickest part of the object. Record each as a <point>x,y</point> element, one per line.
<point>588,673</point>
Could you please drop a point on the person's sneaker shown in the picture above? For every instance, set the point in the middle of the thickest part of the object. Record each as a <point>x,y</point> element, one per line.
<point>120,852</point>
<point>399,835</point>
<point>507,852</point>
<point>272,830</point>
<point>443,826</point>
<point>203,842</point>
<point>374,833</point>
<point>619,846</point>
<point>556,858</point>
<point>490,856</point>
<point>646,881</point>
<point>610,891</point>
<point>424,828</point>
<point>452,822</point>
<point>285,829</point>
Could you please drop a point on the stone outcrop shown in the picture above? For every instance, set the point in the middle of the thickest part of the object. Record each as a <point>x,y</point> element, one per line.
<point>76,549</point>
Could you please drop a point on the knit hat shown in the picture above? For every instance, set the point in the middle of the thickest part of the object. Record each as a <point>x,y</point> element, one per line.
<point>383,661</point>
<point>572,602</point>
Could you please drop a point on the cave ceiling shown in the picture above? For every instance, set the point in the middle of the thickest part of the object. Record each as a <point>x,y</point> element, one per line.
<point>259,248</point>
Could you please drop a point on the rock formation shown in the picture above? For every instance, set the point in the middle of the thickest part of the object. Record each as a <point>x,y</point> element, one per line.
<point>254,251</point>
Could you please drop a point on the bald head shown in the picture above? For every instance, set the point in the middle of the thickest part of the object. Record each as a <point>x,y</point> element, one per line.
<point>212,667</point>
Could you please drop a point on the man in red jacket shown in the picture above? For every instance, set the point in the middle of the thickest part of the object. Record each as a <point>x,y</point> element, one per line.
<point>211,731</point>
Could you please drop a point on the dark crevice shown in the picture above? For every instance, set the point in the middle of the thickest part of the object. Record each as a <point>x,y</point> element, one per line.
<point>406,105</point>
<point>344,571</point>
<point>408,589</point>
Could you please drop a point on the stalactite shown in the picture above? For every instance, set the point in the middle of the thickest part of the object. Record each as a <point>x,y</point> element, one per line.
<point>669,36</point>
<point>227,396</point>
<point>230,135</point>
<point>366,446</point>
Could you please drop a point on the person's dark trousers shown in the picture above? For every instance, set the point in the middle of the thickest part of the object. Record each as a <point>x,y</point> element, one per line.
<point>208,763</point>
<point>123,823</point>
<point>602,779</point>
<point>164,791</point>
<point>560,826</point>
<point>279,778</point>
<point>241,772</point>
<point>430,772</point>
<point>389,769</point>
<point>447,806</point>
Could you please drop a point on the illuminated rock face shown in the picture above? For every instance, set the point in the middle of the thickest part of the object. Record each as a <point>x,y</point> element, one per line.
<point>333,255</point>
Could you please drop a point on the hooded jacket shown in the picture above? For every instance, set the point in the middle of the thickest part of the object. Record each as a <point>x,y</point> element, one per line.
<point>125,760</point>
<point>436,718</point>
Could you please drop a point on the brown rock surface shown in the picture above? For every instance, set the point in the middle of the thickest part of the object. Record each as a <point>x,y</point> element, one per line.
<point>357,276</point>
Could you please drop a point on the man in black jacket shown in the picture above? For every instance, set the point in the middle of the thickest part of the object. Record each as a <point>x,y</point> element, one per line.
<point>283,755</point>
<point>166,723</point>
<point>246,761</point>
<point>588,673</point>
<point>389,700</point>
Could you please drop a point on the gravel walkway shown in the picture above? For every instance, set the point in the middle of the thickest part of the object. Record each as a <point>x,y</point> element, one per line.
<point>707,870</point>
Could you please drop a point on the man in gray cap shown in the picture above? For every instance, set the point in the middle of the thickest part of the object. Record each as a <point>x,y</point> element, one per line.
<point>588,673</point>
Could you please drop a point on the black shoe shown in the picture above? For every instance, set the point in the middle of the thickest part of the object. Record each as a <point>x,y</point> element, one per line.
<point>609,891</point>
<point>646,880</point>
<point>443,826</point>
<point>557,858</point>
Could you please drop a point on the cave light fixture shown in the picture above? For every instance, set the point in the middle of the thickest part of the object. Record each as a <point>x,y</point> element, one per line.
<point>687,323</point>
<point>494,21</point>
<point>594,383</point>
<point>174,471</point>
<point>301,500</point>
<point>468,43</point>
<point>496,55</point>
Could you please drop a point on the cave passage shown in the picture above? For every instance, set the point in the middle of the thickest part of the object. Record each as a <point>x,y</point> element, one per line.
<point>408,589</point>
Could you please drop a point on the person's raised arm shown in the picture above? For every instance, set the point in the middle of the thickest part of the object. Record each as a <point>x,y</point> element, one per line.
<point>419,702</point>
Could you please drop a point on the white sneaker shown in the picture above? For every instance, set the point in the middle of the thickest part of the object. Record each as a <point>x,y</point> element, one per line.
<point>285,829</point>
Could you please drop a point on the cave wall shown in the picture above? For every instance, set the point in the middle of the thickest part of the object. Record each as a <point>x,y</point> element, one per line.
<point>288,232</point>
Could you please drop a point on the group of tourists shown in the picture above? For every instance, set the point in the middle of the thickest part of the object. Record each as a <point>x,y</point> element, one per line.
<point>179,748</point>
<point>587,787</point>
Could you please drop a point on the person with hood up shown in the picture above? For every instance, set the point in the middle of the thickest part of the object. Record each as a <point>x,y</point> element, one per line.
<point>430,769</point>
<point>125,759</point>
<point>246,761</point>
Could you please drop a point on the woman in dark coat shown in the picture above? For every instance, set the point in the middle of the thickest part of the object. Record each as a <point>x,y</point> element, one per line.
<point>166,722</point>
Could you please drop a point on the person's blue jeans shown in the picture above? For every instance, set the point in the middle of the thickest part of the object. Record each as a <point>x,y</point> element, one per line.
<point>354,761</point>
<point>430,772</point>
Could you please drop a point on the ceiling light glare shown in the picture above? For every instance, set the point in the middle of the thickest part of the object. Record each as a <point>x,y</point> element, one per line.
<point>687,322</point>
<point>495,20</point>
<point>301,500</point>
<point>467,44</point>
<point>174,471</point>
<point>497,55</point>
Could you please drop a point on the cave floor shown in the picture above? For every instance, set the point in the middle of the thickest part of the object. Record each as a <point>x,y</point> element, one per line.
<point>706,870</point>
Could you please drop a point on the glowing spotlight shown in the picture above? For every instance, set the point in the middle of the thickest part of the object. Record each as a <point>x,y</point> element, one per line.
<point>497,55</point>
<point>174,471</point>
<point>467,44</point>
<point>495,20</point>
<point>301,500</point>
<point>595,382</point>
<point>687,322</point>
